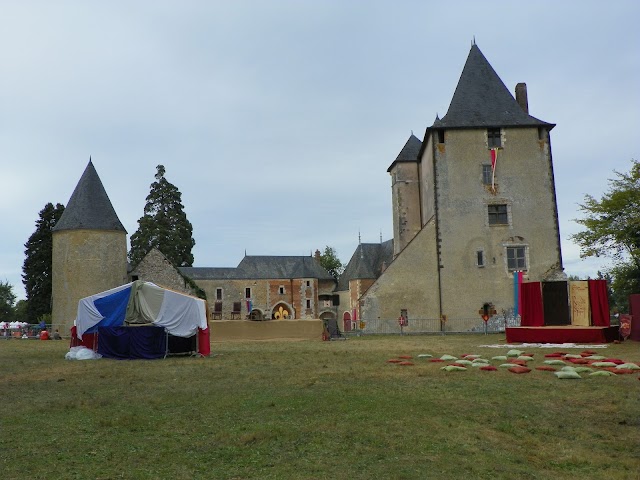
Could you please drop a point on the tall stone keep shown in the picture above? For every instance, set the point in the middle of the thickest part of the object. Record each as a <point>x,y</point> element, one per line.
<point>89,249</point>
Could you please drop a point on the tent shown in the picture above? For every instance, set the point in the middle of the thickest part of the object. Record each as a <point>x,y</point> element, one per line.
<point>142,320</point>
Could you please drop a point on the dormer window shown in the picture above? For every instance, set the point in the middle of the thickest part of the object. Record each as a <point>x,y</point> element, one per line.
<point>494,139</point>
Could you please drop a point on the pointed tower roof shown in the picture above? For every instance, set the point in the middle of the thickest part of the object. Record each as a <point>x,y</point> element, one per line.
<point>89,207</point>
<point>482,100</point>
<point>409,152</point>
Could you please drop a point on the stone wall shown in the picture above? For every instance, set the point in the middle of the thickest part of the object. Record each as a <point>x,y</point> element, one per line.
<point>155,268</point>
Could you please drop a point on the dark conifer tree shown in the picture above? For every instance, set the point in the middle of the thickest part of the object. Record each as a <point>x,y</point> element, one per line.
<point>164,225</point>
<point>36,270</point>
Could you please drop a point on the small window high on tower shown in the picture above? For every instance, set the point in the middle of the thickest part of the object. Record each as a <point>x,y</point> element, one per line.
<point>493,138</point>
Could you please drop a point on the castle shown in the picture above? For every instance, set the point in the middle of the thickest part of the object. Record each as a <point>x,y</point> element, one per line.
<point>473,202</point>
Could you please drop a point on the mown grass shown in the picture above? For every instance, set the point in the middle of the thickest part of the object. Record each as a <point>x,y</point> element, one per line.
<point>260,410</point>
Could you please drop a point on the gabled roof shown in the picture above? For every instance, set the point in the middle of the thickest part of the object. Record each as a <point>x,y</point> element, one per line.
<point>366,263</point>
<point>409,152</point>
<point>482,100</point>
<point>263,267</point>
<point>89,207</point>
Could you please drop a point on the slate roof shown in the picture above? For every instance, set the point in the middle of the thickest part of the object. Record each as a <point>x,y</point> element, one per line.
<point>366,263</point>
<point>263,267</point>
<point>409,152</point>
<point>89,207</point>
<point>482,100</point>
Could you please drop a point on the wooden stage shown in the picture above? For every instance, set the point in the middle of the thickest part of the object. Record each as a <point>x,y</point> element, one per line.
<point>562,334</point>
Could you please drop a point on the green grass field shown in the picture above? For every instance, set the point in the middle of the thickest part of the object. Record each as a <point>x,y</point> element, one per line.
<point>273,410</point>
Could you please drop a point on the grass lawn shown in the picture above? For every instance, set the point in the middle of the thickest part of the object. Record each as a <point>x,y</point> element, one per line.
<point>320,410</point>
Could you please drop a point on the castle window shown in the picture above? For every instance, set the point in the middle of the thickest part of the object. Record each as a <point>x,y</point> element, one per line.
<point>134,278</point>
<point>440,136</point>
<point>498,214</point>
<point>281,290</point>
<point>308,283</point>
<point>494,139</point>
<point>247,292</point>
<point>516,258</point>
<point>218,294</point>
<point>308,303</point>
<point>541,133</point>
<point>487,174</point>
<point>480,258</point>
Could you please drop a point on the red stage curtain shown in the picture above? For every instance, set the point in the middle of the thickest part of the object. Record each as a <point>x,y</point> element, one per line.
<point>634,310</point>
<point>599,303</point>
<point>532,314</point>
<point>204,345</point>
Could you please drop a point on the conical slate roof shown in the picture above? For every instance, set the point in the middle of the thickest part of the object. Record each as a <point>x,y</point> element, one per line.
<point>482,100</point>
<point>89,207</point>
<point>409,152</point>
<point>366,263</point>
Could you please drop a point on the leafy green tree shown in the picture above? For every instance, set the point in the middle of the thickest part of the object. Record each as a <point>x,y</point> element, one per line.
<point>164,225</point>
<point>36,270</point>
<point>613,229</point>
<point>330,262</point>
<point>7,300</point>
<point>20,311</point>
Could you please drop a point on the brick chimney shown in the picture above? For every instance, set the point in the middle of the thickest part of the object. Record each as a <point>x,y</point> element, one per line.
<point>317,255</point>
<point>521,97</point>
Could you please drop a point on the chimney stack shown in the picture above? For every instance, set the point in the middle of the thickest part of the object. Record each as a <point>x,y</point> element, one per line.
<point>521,97</point>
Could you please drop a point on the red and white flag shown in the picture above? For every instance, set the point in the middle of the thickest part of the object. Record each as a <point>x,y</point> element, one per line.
<point>494,161</point>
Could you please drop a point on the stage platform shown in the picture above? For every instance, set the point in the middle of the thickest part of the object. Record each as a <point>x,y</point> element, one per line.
<point>562,334</point>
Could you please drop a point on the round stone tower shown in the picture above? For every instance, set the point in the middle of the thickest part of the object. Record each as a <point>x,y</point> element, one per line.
<point>89,249</point>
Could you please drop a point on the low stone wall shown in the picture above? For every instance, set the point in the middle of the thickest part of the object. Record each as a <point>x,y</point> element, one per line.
<point>222,330</point>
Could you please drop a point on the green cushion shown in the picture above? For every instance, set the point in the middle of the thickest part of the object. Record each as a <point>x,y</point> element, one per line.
<point>630,366</point>
<point>500,358</point>
<point>603,364</point>
<point>464,362</point>
<point>595,357</point>
<point>514,353</point>
<point>554,362</point>
<point>565,374</point>
<point>571,355</point>
<point>506,365</point>
<point>425,355</point>
<point>480,360</point>
<point>453,368</point>
<point>525,358</point>
<point>448,358</point>
<point>568,368</point>
<point>583,369</point>
<point>472,357</point>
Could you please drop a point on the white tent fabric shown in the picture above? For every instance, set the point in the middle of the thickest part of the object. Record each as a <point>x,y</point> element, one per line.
<point>181,315</point>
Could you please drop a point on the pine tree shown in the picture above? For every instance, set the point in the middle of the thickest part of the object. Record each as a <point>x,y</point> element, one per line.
<point>36,270</point>
<point>164,225</point>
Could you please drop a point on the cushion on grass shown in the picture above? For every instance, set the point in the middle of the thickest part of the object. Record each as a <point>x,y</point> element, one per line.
<point>546,368</point>
<point>471,356</point>
<point>578,361</point>
<point>514,353</point>
<point>568,368</point>
<point>405,363</point>
<point>528,354</point>
<point>588,352</point>
<point>553,355</point>
<point>595,357</point>
<point>425,355</point>
<point>515,361</point>
<point>571,355</point>
<point>620,371</point>
<point>453,368</point>
<point>554,362</point>
<point>519,369</point>
<point>567,374</point>
<point>617,361</point>
<point>488,368</point>
<point>583,369</point>
<point>448,358</point>
<point>526,358</point>
<point>506,365</point>
<point>562,354</point>
<point>602,373</point>
<point>629,366</point>
<point>436,360</point>
<point>500,358</point>
<point>480,360</point>
<point>603,364</point>
<point>394,360</point>
<point>463,362</point>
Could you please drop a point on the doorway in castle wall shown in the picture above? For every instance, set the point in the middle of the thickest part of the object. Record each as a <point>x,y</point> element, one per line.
<point>346,322</point>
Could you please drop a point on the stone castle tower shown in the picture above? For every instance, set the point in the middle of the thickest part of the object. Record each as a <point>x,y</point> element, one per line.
<point>473,203</point>
<point>89,249</point>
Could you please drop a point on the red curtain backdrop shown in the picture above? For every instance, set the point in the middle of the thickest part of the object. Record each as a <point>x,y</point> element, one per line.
<point>599,302</point>
<point>634,309</point>
<point>532,313</point>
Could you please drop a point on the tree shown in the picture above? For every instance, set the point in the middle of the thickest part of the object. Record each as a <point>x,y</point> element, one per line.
<point>330,262</point>
<point>36,270</point>
<point>164,225</point>
<point>7,299</point>
<point>613,229</point>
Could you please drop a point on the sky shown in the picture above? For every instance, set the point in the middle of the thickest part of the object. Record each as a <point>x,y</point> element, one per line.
<point>277,120</point>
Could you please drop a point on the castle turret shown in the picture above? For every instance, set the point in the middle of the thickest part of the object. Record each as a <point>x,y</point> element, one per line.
<point>89,249</point>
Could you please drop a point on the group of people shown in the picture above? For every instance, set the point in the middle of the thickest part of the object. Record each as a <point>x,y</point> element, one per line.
<point>44,333</point>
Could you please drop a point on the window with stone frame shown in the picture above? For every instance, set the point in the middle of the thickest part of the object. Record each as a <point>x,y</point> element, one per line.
<point>517,258</point>
<point>487,174</point>
<point>498,214</point>
<point>218,294</point>
<point>247,292</point>
<point>480,258</point>
<point>494,138</point>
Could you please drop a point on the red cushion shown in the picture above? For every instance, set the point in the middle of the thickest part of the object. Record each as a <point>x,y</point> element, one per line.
<point>519,369</point>
<point>617,361</point>
<point>546,368</point>
<point>586,353</point>
<point>553,355</point>
<point>405,363</point>
<point>621,371</point>
<point>436,360</point>
<point>528,354</point>
<point>515,361</point>
<point>578,361</point>
<point>488,368</point>
<point>394,360</point>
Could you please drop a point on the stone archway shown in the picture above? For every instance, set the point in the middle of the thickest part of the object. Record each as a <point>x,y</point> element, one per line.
<point>327,315</point>
<point>257,315</point>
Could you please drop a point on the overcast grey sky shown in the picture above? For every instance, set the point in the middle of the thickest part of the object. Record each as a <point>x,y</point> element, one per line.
<point>278,119</point>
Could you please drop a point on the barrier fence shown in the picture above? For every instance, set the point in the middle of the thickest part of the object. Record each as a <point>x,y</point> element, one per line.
<point>419,326</point>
